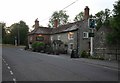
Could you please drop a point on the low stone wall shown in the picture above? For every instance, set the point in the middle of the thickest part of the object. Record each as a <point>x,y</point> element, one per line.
<point>108,54</point>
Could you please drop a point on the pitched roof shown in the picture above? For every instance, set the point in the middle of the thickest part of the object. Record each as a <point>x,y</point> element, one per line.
<point>60,29</point>
<point>41,30</point>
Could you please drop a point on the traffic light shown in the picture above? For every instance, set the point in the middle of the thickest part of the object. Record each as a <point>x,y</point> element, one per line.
<point>91,23</point>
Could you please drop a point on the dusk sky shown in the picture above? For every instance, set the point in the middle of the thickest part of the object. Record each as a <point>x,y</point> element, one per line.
<point>12,11</point>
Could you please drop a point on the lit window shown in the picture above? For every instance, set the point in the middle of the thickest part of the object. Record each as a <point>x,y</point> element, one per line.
<point>85,34</point>
<point>70,35</point>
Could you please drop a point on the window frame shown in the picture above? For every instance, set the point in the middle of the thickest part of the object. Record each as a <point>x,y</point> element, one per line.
<point>85,34</point>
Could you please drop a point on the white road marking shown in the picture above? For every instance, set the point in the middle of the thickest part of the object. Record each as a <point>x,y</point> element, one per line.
<point>11,72</point>
<point>14,80</point>
<point>111,68</point>
<point>8,67</point>
<point>6,64</point>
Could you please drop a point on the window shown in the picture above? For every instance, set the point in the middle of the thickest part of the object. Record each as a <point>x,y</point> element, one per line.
<point>85,34</point>
<point>71,46</point>
<point>58,37</point>
<point>70,35</point>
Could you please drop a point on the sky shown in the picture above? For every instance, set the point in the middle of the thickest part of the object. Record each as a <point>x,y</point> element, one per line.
<point>12,11</point>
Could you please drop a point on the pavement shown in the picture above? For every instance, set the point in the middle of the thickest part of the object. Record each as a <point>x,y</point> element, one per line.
<point>106,63</point>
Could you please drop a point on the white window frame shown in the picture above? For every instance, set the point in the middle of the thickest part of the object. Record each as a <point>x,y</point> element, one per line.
<point>85,34</point>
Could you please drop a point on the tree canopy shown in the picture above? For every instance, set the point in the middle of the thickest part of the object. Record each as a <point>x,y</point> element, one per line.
<point>114,37</point>
<point>102,18</point>
<point>60,16</point>
<point>16,31</point>
<point>79,17</point>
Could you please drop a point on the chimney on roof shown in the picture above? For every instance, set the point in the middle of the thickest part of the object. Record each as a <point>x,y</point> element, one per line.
<point>55,23</point>
<point>86,13</point>
<point>36,23</point>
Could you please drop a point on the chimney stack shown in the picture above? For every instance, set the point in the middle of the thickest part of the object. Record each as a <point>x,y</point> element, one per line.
<point>55,23</point>
<point>86,13</point>
<point>36,23</point>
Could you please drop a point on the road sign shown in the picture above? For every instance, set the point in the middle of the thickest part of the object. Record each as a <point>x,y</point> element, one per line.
<point>91,34</point>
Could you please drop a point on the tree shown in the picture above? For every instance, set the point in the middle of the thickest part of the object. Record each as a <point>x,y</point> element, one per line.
<point>99,19</point>
<point>20,31</point>
<point>102,18</point>
<point>23,32</point>
<point>114,37</point>
<point>107,13</point>
<point>61,17</point>
<point>79,17</point>
<point>117,16</point>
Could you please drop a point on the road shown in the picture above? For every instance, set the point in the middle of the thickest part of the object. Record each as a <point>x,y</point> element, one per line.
<point>21,65</point>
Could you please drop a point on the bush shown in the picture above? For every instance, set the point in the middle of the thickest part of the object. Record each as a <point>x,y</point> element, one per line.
<point>38,46</point>
<point>84,54</point>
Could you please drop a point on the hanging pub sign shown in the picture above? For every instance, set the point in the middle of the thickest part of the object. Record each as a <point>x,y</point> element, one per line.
<point>91,34</point>
<point>39,38</point>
